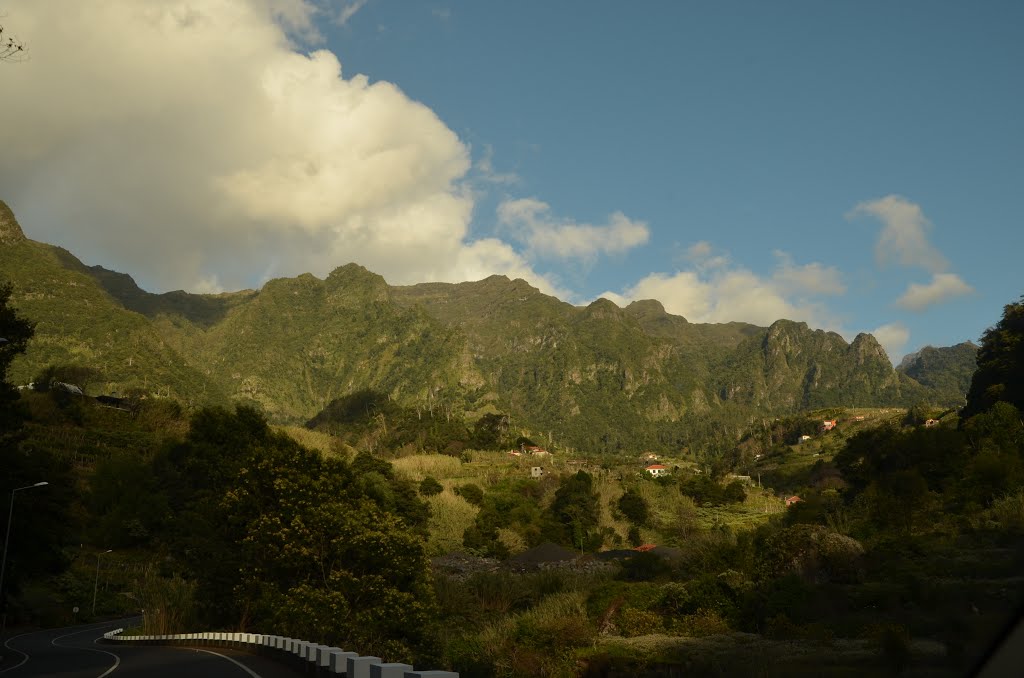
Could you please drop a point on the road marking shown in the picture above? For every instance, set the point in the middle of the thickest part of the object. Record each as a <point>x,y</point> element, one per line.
<point>236,663</point>
<point>11,668</point>
<point>32,633</point>
<point>117,660</point>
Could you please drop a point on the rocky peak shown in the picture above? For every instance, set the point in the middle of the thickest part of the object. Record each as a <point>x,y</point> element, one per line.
<point>865,348</point>
<point>356,280</point>
<point>649,308</point>
<point>10,230</point>
<point>603,309</point>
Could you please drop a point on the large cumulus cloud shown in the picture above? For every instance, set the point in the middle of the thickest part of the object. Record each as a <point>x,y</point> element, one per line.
<point>196,145</point>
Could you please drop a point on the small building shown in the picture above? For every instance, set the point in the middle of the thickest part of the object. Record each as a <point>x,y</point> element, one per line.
<point>792,500</point>
<point>515,453</point>
<point>828,425</point>
<point>804,438</point>
<point>859,417</point>
<point>535,451</point>
<point>67,388</point>
<point>536,471</point>
<point>657,470</point>
<point>650,456</point>
<point>928,423</point>
<point>746,480</point>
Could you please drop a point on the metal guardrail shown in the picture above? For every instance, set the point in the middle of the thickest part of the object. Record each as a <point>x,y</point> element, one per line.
<point>313,658</point>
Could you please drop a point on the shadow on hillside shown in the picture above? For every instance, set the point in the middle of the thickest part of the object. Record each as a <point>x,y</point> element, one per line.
<point>204,310</point>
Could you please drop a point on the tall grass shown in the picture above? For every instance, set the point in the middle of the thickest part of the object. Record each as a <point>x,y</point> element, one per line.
<point>1009,511</point>
<point>167,605</point>
<point>450,515</point>
<point>419,466</point>
<point>326,444</point>
<point>541,640</point>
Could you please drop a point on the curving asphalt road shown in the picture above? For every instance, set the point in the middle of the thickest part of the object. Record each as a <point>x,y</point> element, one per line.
<point>74,652</point>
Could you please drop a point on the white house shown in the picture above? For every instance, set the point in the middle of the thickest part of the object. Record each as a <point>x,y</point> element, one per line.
<point>657,470</point>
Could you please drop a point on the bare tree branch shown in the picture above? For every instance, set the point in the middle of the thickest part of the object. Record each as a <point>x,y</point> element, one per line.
<point>11,49</point>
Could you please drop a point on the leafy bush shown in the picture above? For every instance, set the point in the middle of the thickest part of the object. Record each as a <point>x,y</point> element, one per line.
<point>1008,511</point>
<point>471,493</point>
<point>701,623</point>
<point>633,622</point>
<point>429,487</point>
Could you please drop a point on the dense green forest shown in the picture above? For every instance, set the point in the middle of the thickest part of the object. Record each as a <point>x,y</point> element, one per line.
<point>902,553</point>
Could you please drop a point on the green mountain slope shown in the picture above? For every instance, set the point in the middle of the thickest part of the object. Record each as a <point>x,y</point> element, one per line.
<point>598,377</point>
<point>301,342</point>
<point>947,371</point>
<point>78,322</point>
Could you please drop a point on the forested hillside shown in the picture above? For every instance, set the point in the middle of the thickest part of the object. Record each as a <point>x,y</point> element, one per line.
<point>600,377</point>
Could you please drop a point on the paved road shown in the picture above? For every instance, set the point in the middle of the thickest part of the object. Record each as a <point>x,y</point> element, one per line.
<point>74,653</point>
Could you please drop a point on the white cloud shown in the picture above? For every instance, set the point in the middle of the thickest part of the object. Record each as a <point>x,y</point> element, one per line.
<point>348,10</point>
<point>812,278</point>
<point>723,294</point>
<point>192,145</point>
<point>529,221</point>
<point>943,287</point>
<point>699,250</point>
<point>904,236</point>
<point>893,337</point>
<point>485,166</point>
<point>702,256</point>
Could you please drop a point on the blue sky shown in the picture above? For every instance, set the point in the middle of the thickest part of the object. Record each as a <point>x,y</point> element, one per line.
<point>753,126</point>
<point>737,160</point>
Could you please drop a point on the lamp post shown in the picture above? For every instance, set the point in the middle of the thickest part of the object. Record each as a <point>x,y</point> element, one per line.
<point>7,540</point>
<point>96,585</point>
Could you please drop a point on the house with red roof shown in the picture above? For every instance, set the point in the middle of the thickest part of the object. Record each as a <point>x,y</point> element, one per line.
<point>657,470</point>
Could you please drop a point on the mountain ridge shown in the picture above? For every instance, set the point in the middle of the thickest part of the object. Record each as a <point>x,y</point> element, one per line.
<point>597,376</point>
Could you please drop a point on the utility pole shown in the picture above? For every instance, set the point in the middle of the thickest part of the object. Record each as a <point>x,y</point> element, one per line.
<point>7,539</point>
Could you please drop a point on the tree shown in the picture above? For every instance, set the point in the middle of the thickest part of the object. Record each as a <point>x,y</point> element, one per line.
<point>574,515</point>
<point>15,330</point>
<point>489,431</point>
<point>41,539</point>
<point>277,536</point>
<point>1000,373</point>
<point>15,333</point>
<point>634,507</point>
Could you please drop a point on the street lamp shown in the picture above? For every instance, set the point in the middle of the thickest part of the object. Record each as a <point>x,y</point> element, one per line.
<point>97,584</point>
<point>7,539</point>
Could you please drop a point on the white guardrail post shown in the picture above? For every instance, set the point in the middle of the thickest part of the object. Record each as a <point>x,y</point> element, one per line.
<point>316,658</point>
